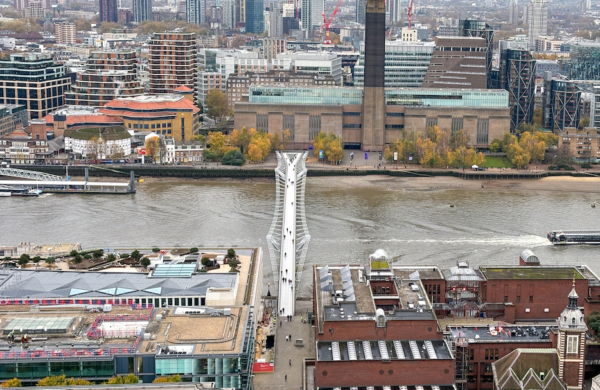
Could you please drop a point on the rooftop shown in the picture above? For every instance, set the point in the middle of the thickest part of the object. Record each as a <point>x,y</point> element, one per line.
<point>383,350</point>
<point>531,273</point>
<point>107,133</point>
<point>168,101</point>
<point>39,285</point>
<point>506,334</point>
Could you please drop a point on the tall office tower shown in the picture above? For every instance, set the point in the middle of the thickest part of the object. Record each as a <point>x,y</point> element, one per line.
<point>395,11</point>
<point>108,75</point>
<point>142,10</point>
<point>561,103</point>
<point>373,103</point>
<point>360,11</point>
<point>538,20</point>
<point>478,28</point>
<point>312,11</point>
<point>276,21</point>
<point>585,6</point>
<point>172,62</point>
<point>457,62</point>
<point>228,7</point>
<point>65,32</point>
<point>195,11</point>
<point>108,11</point>
<point>254,17</point>
<point>513,12</point>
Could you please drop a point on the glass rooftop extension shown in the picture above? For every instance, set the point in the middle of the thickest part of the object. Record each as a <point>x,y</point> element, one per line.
<point>174,270</point>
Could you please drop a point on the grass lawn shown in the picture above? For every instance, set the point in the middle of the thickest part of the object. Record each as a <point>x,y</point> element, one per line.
<point>497,162</point>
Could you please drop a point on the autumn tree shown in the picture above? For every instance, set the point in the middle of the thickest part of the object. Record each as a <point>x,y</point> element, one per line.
<point>330,144</point>
<point>83,25</point>
<point>216,104</point>
<point>584,122</point>
<point>107,27</point>
<point>259,146</point>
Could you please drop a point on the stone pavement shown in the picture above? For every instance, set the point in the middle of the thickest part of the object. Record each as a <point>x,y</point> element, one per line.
<point>285,350</point>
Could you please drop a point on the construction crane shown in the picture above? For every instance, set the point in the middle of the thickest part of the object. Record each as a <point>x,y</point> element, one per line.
<point>410,12</point>
<point>326,22</point>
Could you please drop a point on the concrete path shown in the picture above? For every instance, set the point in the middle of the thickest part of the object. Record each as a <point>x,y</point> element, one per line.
<point>285,350</point>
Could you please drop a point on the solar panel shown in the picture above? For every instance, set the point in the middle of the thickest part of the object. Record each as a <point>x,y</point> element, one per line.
<point>39,325</point>
<point>346,273</point>
<point>324,273</point>
<point>327,285</point>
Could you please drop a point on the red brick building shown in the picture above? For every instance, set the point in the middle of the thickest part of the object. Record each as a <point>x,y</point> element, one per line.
<point>374,329</point>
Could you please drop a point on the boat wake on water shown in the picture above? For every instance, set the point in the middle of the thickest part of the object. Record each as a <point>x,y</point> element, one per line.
<point>529,241</point>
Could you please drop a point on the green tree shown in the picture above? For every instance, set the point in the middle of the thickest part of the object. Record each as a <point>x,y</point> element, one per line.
<point>233,157</point>
<point>167,379</point>
<point>593,321</point>
<point>87,256</point>
<point>36,259</point>
<point>231,253</point>
<point>123,380</point>
<point>155,250</point>
<point>201,138</point>
<point>12,383</point>
<point>216,103</point>
<point>496,145</point>
<point>136,255</point>
<point>24,259</point>
<point>584,122</point>
<point>124,255</point>
<point>98,253</point>
<point>111,257</point>
<point>73,253</point>
<point>194,250</point>
<point>205,261</point>
<point>50,260</point>
<point>233,264</point>
<point>78,259</point>
<point>145,262</point>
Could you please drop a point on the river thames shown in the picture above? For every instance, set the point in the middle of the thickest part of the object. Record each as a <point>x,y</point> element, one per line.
<point>346,222</point>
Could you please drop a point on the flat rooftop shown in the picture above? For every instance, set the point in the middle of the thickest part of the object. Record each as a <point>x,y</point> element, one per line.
<point>505,334</point>
<point>198,334</point>
<point>382,350</point>
<point>531,273</point>
<point>425,273</point>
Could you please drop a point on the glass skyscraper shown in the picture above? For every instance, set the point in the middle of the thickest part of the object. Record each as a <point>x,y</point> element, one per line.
<point>254,17</point>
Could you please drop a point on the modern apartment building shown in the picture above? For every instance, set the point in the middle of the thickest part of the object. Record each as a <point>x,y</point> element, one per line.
<point>142,10</point>
<point>172,62</point>
<point>311,15</point>
<point>65,33</point>
<point>458,62</point>
<point>517,73</point>
<point>108,75</point>
<point>229,62</point>
<point>405,63</point>
<point>238,85</point>
<point>561,103</point>
<point>537,17</point>
<point>108,11</point>
<point>584,61</point>
<point>35,81</point>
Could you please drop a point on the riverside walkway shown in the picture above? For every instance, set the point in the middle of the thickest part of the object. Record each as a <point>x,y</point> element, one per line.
<point>288,237</point>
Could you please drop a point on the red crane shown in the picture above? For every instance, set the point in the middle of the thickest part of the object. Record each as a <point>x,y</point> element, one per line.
<point>410,13</point>
<point>326,23</point>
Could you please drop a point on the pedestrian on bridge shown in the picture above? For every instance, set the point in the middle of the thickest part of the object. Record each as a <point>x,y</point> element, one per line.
<point>290,361</point>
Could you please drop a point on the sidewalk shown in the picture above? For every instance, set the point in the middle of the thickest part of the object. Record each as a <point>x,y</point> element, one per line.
<point>285,350</point>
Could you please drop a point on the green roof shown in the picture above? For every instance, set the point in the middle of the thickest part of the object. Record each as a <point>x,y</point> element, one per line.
<point>108,133</point>
<point>379,264</point>
<point>531,273</point>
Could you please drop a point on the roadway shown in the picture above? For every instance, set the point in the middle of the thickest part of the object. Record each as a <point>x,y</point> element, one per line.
<point>287,263</point>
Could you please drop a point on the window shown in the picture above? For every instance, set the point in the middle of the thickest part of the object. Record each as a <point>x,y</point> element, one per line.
<point>483,127</point>
<point>505,299</point>
<point>531,299</point>
<point>572,346</point>
<point>518,299</point>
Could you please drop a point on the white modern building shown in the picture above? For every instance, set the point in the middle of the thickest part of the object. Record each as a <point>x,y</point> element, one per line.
<point>537,18</point>
<point>195,11</point>
<point>405,63</point>
<point>319,63</point>
<point>239,61</point>
<point>208,81</point>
